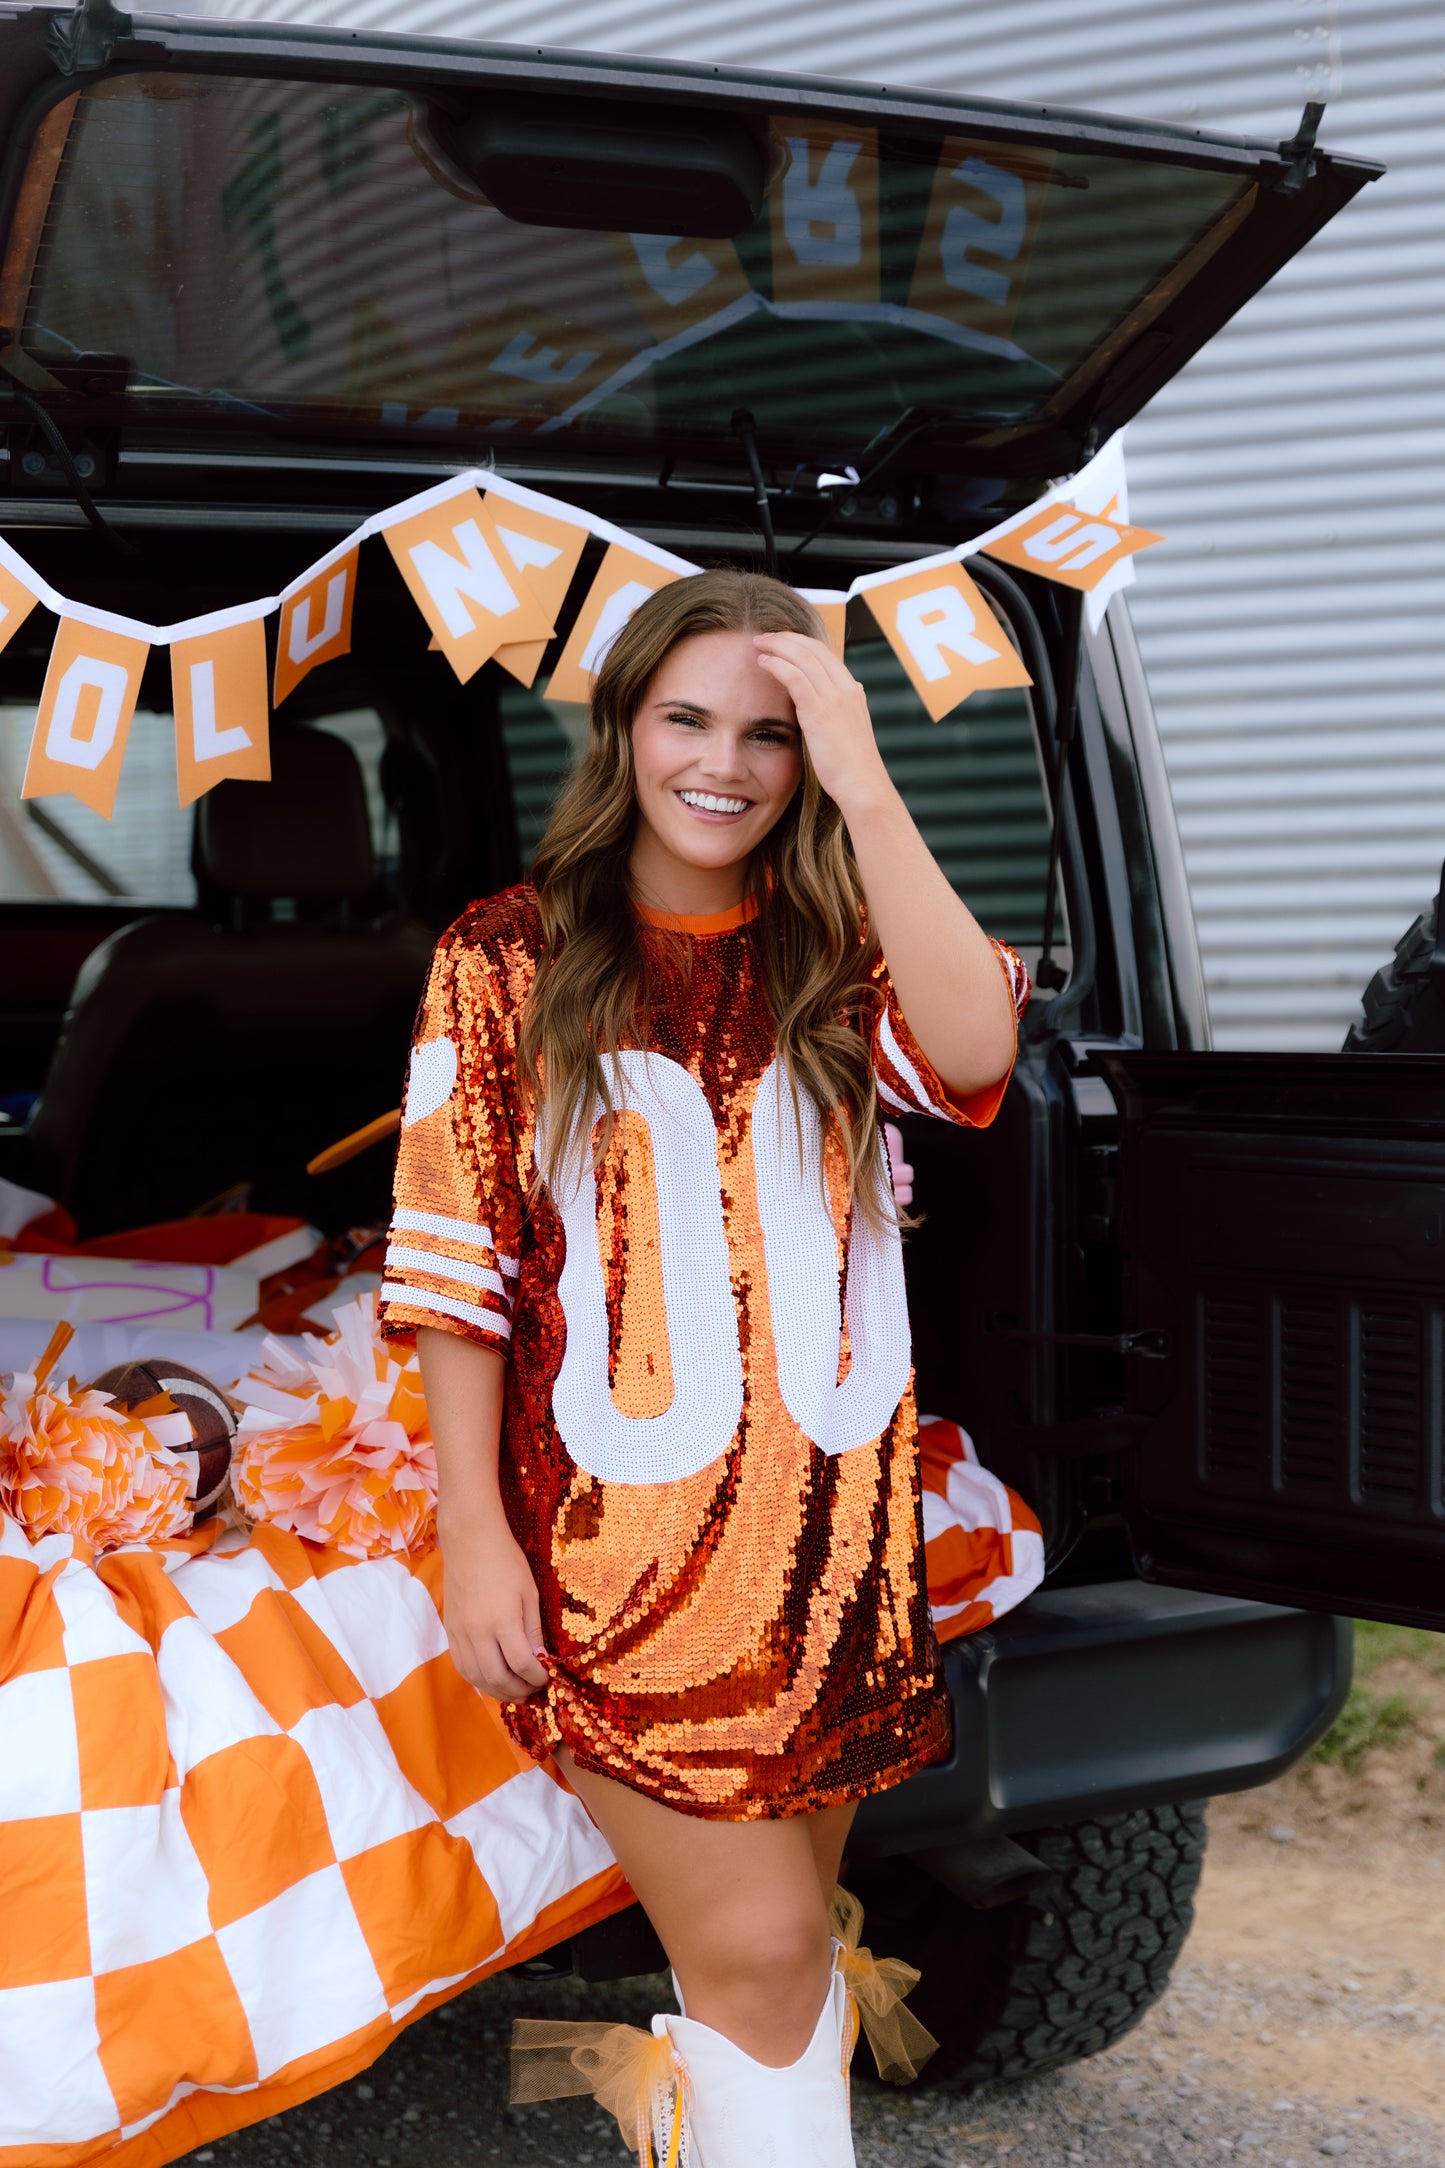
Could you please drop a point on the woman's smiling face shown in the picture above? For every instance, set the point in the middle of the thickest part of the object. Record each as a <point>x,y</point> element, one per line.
<point>717,754</point>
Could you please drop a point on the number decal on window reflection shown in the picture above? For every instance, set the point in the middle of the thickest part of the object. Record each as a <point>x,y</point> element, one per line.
<point>700,1320</point>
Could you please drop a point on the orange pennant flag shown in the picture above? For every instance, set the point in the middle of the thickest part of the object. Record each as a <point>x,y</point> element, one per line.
<point>1076,548</point>
<point>85,711</point>
<point>624,579</point>
<point>315,622</point>
<point>944,634</point>
<point>465,582</point>
<point>546,552</point>
<point>223,718</point>
<point>831,605</point>
<point>16,603</point>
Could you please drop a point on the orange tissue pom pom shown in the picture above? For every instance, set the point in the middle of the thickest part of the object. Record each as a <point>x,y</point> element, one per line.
<point>335,1445</point>
<point>74,1463</point>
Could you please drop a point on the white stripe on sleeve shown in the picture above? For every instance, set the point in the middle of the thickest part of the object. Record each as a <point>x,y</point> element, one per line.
<point>471,1232</point>
<point>469,1313</point>
<point>399,1259</point>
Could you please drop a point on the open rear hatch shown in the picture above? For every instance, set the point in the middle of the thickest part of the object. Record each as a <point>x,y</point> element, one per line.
<point>223,237</point>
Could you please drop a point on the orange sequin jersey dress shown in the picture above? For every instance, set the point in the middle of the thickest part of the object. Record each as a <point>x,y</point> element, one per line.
<point>709,1449</point>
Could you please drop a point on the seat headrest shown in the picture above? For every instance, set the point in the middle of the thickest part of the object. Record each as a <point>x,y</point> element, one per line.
<point>304,834</point>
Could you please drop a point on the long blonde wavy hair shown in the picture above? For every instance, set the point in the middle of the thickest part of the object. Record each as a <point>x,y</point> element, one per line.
<point>594,983</point>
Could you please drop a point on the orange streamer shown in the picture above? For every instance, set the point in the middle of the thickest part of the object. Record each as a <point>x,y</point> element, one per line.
<point>900,2044</point>
<point>628,2072</point>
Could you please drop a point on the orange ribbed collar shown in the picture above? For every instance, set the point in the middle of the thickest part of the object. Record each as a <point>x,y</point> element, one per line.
<point>700,922</point>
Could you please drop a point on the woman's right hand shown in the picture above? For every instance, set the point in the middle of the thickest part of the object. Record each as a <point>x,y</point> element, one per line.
<point>491,1612</point>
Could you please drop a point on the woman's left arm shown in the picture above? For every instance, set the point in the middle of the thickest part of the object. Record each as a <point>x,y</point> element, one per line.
<point>944,968</point>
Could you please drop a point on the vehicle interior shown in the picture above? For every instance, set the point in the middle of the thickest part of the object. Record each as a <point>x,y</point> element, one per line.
<point>196,1002</point>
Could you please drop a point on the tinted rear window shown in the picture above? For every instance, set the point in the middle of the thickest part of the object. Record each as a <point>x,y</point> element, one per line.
<point>292,253</point>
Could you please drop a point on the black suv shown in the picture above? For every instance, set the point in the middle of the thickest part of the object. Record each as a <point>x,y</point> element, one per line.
<point>259,282</point>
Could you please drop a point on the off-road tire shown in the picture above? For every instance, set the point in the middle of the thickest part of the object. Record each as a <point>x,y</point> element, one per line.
<point>1404,1014</point>
<point>1054,1976</point>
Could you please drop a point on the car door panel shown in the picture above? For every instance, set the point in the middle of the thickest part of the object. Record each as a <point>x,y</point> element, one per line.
<point>1282,1223</point>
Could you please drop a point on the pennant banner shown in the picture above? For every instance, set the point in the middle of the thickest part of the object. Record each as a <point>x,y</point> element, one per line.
<point>491,564</point>
<point>944,633</point>
<point>85,710</point>
<point>624,579</point>
<point>223,718</point>
<point>1077,548</point>
<point>315,619</point>
<point>465,582</point>
<point>16,602</point>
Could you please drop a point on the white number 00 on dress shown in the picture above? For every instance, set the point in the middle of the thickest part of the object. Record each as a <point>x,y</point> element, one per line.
<point>800,1252</point>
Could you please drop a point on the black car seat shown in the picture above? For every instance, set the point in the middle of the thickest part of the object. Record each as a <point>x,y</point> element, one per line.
<point>202,1052</point>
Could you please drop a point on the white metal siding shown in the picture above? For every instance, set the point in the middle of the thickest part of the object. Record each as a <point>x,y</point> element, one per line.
<point>1294,626</point>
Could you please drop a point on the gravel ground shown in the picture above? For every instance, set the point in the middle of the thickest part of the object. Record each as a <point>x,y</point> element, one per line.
<point>438,2099</point>
<point>1305,2022</point>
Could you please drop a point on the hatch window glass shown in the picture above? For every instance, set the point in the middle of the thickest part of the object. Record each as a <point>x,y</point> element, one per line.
<point>276,255</point>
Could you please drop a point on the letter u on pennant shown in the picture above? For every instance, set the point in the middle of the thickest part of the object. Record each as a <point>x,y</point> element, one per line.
<point>85,711</point>
<point>223,718</point>
<point>315,621</point>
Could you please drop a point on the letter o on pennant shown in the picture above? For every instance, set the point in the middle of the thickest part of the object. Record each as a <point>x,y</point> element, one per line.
<point>85,715</point>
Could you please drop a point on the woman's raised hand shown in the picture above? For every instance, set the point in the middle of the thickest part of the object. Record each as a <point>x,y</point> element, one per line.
<point>492,1615</point>
<point>832,712</point>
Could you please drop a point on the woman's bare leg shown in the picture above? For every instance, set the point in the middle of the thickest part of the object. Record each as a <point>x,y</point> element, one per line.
<point>740,1908</point>
<point>828,1832</point>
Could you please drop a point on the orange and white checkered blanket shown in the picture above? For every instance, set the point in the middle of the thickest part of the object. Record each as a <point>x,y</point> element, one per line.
<point>252,1820</point>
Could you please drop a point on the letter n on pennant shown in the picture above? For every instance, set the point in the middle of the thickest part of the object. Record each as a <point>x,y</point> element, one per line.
<point>85,711</point>
<point>945,635</point>
<point>465,582</point>
<point>223,717</point>
<point>315,622</point>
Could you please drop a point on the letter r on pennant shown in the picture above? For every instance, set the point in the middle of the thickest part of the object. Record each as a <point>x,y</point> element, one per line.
<point>940,621</point>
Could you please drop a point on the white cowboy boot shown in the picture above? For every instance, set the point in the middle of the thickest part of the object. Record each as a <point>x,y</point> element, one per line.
<point>744,2114</point>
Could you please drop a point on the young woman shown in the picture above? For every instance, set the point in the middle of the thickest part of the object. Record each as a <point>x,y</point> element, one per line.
<point>644,1234</point>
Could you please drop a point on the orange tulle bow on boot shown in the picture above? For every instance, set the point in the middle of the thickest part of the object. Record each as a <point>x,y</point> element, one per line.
<point>876,1988</point>
<point>636,2076</point>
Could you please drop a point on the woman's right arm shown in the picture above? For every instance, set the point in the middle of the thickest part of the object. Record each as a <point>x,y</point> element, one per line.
<point>493,1618</point>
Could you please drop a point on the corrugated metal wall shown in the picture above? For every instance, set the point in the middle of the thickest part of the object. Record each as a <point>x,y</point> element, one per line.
<point>1294,626</point>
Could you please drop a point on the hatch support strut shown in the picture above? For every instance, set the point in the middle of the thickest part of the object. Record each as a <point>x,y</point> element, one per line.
<point>1066,715</point>
<point>745,428</point>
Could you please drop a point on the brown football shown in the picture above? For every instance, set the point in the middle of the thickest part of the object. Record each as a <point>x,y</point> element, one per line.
<point>213,1419</point>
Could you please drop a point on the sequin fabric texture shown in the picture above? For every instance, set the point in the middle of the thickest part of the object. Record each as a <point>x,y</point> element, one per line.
<point>709,1448</point>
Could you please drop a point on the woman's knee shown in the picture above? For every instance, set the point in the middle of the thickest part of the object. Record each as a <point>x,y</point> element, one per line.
<point>766,1952</point>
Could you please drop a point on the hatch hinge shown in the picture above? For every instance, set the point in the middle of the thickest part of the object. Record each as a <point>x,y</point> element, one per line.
<point>83,40</point>
<point>1298,150</point>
